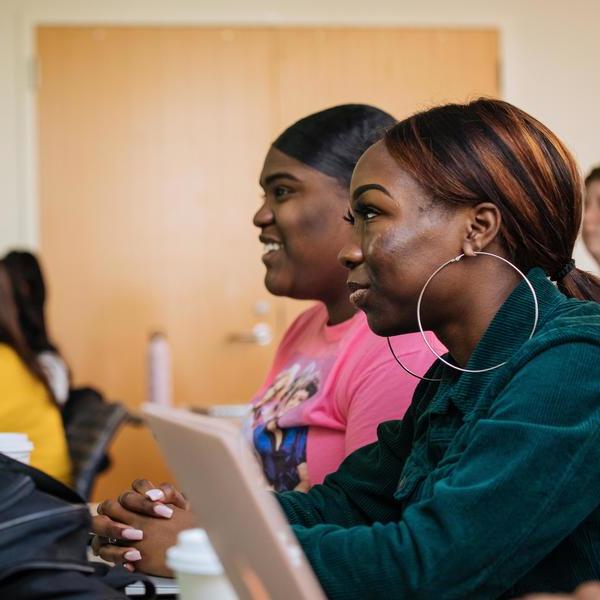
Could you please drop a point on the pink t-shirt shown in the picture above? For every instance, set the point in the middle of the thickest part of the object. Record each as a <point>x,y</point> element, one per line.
<point>326,393</point>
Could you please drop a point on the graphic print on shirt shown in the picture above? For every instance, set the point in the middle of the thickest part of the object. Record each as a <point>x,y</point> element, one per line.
<point>278,433</point>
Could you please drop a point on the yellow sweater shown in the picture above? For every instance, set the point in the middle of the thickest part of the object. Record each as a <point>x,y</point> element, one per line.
<point>26,407</point>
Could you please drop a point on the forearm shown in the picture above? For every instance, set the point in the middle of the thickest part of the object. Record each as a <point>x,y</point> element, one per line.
<point>323,504</point>
<point>359,492</point>
<point>354,563</point>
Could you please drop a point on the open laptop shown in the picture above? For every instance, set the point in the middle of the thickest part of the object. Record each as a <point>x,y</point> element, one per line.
<point>221,477</point>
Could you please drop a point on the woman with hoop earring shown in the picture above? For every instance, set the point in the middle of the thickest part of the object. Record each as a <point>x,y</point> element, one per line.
<point>464,220</point>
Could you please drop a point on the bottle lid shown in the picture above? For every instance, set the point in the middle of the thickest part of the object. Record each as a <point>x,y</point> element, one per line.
<point>194,554</point>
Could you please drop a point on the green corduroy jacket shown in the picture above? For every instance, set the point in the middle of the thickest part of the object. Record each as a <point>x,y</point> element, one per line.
<point>489,487</point>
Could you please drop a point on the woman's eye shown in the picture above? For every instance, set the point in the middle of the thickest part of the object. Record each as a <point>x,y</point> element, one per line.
<point>349,218</point>
<point>280,192</point>
<point>366,213</point>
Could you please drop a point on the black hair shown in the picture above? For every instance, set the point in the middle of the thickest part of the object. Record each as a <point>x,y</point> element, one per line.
<point>10,332</point>
<point>593,175</point>
<point>332,140</point>
<point>29,291</point>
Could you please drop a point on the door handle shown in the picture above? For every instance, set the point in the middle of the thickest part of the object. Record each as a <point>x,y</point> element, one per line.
<point>261,335</point>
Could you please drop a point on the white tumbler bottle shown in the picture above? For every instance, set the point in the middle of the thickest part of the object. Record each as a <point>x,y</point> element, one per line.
<point>160,381</point>
<point>197,568</point>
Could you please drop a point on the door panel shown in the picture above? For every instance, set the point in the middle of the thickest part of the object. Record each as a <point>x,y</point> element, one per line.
<point>399,70</point>
<point>151,141</point>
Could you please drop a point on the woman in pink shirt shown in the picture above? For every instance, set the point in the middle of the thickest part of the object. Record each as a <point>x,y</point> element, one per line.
<point>332,380</point>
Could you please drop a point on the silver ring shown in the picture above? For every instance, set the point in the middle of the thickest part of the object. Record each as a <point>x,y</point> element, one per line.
<point>112,540</point>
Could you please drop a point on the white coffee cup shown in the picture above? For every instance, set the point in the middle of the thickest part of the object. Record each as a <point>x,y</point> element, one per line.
<point>198,569</point>
<point>17,446</point>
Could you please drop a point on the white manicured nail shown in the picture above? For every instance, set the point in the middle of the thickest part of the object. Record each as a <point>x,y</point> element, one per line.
<point>155,494</point>
<point>163,511</point>
<point>132,555</point>
<point>132,534</point>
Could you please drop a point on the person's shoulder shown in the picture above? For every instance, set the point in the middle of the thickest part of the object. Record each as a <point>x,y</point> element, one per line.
<point>361,352</point>
<point>575,320</point>
<point>365,344</point>
<point>566,347</point>
<point>556,371</point>
<point>52,360</point>
<point>306,323</point>
<point>359,328</point>
<point>315,315</point>
<point>577,310</point>
<point>57,372</point>
<point>12,367</point>
<point>316,312</point>
<point>9,358</point>
<point>359,338</point>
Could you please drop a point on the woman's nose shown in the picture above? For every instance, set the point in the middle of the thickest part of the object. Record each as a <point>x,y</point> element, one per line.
<point>350,256</point>
<point>264,216</point>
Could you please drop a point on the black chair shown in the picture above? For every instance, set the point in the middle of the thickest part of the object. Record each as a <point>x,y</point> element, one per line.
<point>90,424</point>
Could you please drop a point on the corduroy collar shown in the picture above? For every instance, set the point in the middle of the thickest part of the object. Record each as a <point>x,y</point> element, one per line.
<point>507,332</point>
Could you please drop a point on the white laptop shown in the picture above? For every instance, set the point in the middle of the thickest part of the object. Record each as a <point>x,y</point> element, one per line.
<point>219,474</point>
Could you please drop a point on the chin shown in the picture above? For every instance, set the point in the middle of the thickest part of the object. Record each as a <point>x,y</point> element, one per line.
<point>275,286</point>
<point>275,290</point>
<point>378,326</point>
<point>384,328</point>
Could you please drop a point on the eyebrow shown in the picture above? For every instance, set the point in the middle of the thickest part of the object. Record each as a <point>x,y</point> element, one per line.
<point>361,189</point>
<point>279,175</point>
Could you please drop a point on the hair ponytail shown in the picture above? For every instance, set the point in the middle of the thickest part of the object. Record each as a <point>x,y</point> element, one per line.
<point>580,284</point>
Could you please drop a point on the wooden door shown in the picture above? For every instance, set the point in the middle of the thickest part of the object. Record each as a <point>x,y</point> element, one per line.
<point>151,140</point>
<point>399,70</point>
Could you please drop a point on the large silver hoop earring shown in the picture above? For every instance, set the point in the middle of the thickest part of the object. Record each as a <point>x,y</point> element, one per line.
<point>455,260</point>
<point>389,342</point>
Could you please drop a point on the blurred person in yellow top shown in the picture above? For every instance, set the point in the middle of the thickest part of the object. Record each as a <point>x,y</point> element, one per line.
<point>26,402</point>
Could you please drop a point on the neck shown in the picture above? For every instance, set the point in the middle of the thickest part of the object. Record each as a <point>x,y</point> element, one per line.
<point>473,316</point>
<point>339,309</point>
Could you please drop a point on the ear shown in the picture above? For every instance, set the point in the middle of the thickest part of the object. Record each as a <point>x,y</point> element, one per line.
<point>483,225</point>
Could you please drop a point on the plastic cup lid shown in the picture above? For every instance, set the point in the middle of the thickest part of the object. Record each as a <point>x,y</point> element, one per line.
<point>15,442</point>
<point>194,554</point>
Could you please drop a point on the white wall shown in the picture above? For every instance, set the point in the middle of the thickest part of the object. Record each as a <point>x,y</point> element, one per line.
<point>12,230</point>
<point>550,51</point>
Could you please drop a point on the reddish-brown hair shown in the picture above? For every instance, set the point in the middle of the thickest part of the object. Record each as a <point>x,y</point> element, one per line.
<point>491,151</point>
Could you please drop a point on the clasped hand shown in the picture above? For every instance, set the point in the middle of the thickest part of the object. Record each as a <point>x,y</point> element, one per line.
<point>137,528</point>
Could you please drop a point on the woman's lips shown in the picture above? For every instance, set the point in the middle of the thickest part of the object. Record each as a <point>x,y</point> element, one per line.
<point>271,248</point>
<point>359,297</point>
<point>358,293</point>
<point>270,258</point>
